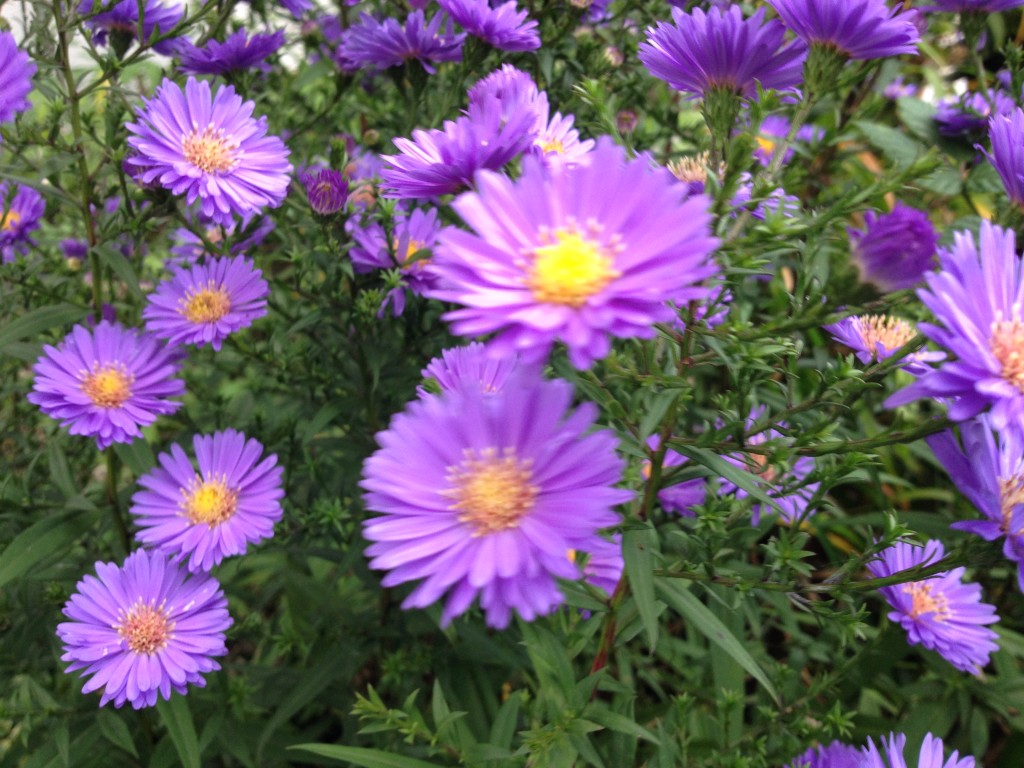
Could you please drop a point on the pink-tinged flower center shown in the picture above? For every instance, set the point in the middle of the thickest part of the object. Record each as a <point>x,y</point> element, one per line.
<point>207,305</point>
<point>1011,493</point>
<point>9,221</point>
<point>923,601</point>
<point>491,493</point>
<point>570,268</point>
<point>1008,347</point>
<point>146,628</point>
<point>108,386</point>
<point>691,170</point>
<point>209,501</point>
<point>209,151</point>
<point>891,332</point>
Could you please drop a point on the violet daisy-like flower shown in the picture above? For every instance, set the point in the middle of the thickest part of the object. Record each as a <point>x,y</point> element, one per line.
<point>989,470</point>
<point>603,563</point>
<point>20,214</point>
<point>121,19</point>
<point>720,49</point>
<point>211,149</point>
<point>326,189</point>
<point>207,302</point>
<point>559,142</point>
<point>858,29</point>
<point>578,254</point>
<point>473,490</point>
<point>144,629</point>
<point>678,498</point>
<point>205,515</point>
<point>504,26</point>
<point>384,44</point>
<point>238,51</point>
<point>969,114</point>
<point>515,91</point>
<point>895,250</point>
<point>107,383</point>
<point>939,612</point>
<point>930,756</point>
<point>773,130</point>
<point>298,8</point>
<point>1006,132</point>
<point>16,71</point>
<point>469,367</point>
<point>834,755</point>
<point>976,296</point>
<point>874,338</point>
<point>187,246</point>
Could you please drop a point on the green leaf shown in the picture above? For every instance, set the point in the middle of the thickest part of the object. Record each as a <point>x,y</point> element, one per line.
<point>368,758</point>
<point>116,732</point>
<point>637,551</point>
<point>59,469</point>
<point>503,729</point>
<point>178,721</point>
<point>620,723</point>
<point>894,144</point>
<point>719,467</point>
<point>704,621</point>
<point>45,537</point>
<point>136,455</point>
<point>42,319</point>
<point>121,267</point>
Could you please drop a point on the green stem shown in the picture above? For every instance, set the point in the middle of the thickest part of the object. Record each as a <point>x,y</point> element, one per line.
<point>122,528</point>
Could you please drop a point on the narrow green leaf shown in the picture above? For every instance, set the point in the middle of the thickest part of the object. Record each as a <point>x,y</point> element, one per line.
<point>637,551</point>
<point>894,144</point>
<point>719,467</point>
<point>503,729</point>
<point>136,455</point>
<point>120,266</point>
<point>178,721</point>
<point>368,758</point>
<point>49,535</point>
<point>42,319</point>
<point>63,743</point>
<point>116,732</point>
<point>59,469</point>
<point>704,621</point>
<point>620,723</point>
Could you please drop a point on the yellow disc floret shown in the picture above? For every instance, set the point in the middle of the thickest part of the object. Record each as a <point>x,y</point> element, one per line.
<point>108,386</point>
<point>491,493</point>
<point>923,601</point>
<point>209,501</point>
<point>209,150</point>
<point>9,221</point>
<point>891,332</point>
<point>570,268</point>
<point>206,305</point>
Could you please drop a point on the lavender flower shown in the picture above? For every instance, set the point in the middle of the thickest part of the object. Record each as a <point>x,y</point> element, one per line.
<point>144,629</point>
<point>203,516</point>
<point>858,29</point>
<point>238,52</point>
<point>1006,132</point>
<point>472,490</point>
<point>559,142</point>
<point>579,254</point>
<point>773,130</point>
<point>107,383</point>
<point>895,250</point>
<point>326,189</point>
<point>834,755</point>
<point>515,91</point>
<point>939,612</point>
<point>121,19</point>
<point>189,247</point>
<point>469,367</point>
<point>204,304</point>
<point>504,27</point>
<point>931,755</point>
<point>16,71</point>
<point>20,215</point>
<point>604,564</point>
<point>384,44</point>
<point>298,8</point>
<point>210,149</point>
<point>874,338</point>
<point>678,498</point>
<point>969,114</point>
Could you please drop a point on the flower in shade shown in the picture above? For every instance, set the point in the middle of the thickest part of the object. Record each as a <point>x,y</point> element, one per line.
<point>834,755</point>
<point>211,149</point>
<point>107,383</point>
<point>144,629</point>
<point>989,470</point>
<point>20,214</point>
<point>121,19</point>
<point>580,254</point>
<point>858,29</point>
<point>773,130</point>
<point>383,44</point>
<point>469,367</point>
<point>974,6</point>
<point>894,250</point>
<point>602,563</point>
<point>680,498</point>
<point>515,91</point>
<point>238,51</point>
<point>1006,132</point>
<point>969,114</point>
<point>203,304</point>
<point>16,71</point>
<point>298,8</point>
<point>939,612</point>
<point>504,27</point>
<point>187,246</point>
<point>205,515</point>
<point>472,491</point>
<point>720,49</point>
<point>976,296</point>
<point>326,189</point>
<point>930,756</point>
<point>874,338</point>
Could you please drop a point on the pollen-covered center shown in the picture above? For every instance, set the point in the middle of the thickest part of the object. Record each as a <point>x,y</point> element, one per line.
<point>1011,494</point>
<point>924,601</point>
<point>206,305</point>
<point>571,267</point>
<point>209,150</point>
<point>891,332</point>
<point>108,386</point>
<point>490,492</point>
<point>209,501</point>
<point>9,221</point>
<point>766,145</point>
<point>146,628</point>
<point>551,146</point>
<point>1008,347</point>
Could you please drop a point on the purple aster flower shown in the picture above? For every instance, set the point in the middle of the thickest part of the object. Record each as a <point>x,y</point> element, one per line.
<point>205,303</point>
<point>440,162</point>
<point>472,491</point>
<point>874,338</point>
<point>144,629</point>
<point>107,383</point>
<point>580,254</point>
<point>298,8</point>
<point>559,142</point>
<point>210,149</point>
<point>384,44</point>
<point>896,249</point>
<point>720,49</point>
<point>859,29</point>
<point>931,755</point>
<point>898,89</point>
<point>74,248</point>
<point>711,311</point>
<point>20,214</point>
<point>976,296</point>
<point>203,516</point>
<point>516,92</point>
<point>989,471</point>
<point>326,189</point>
<point>974,6</point>
<point>1006,132</point>
<point>969,114</point>
<point>16,71</point>
<point>834,755</point>
<point>189,247</point>
<point>121,19</point>
<point>940,612</point>
<point>679,498</point>
<point>238,51</point>
<point>773,130</point>
<point>603,565</point>
<point>469,367</point>
<point>504,27</point>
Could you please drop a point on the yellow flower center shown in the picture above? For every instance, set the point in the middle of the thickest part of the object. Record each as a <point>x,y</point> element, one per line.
<point>209,501</point>
<point>891,332</point>
<point>691,170</point>
<point>766,145</point>
<point>108,386</point>
<point>405,259</point>
<point>550,146</point>
<point>10,221</point>
<point>923,601</point>
<point>146,628</point>
<point>1011,493</point>
<point>491,493</point>
<point>207,305</point>
<point>209,151</point>
<point>1008,347</point>
<point>571,268</point>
